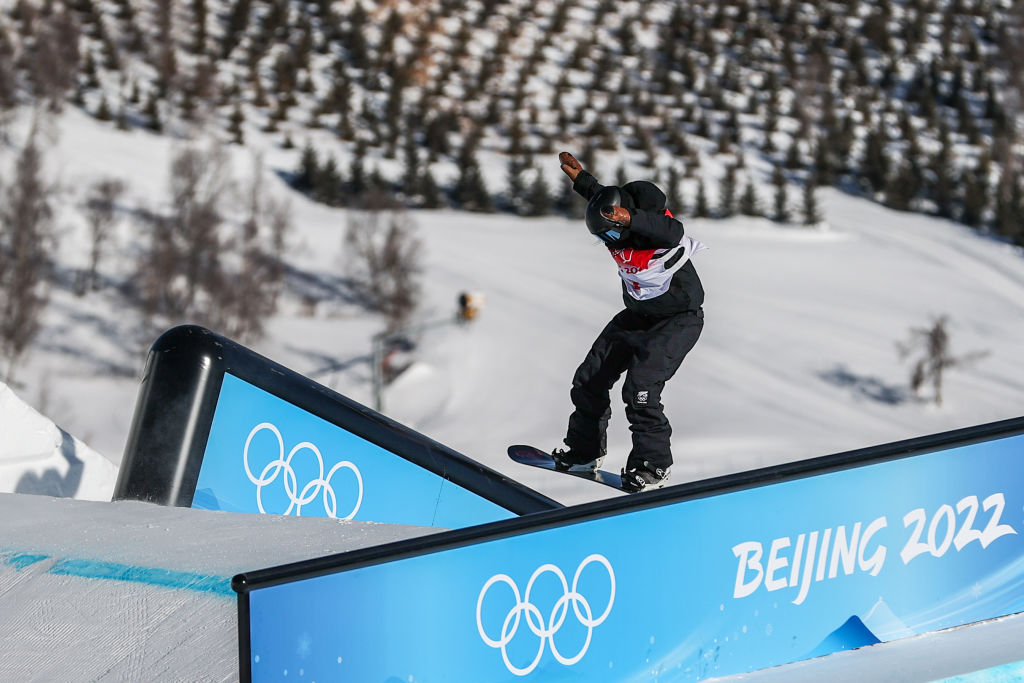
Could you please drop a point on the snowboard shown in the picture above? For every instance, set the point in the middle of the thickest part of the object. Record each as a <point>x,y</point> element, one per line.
<point>534,457</point>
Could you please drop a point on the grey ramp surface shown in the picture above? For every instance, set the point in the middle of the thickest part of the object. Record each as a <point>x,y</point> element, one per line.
<point>130,591</point>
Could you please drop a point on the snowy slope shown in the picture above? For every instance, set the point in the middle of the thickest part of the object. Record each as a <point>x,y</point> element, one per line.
<point>798,357</point>
<point>36,456</point>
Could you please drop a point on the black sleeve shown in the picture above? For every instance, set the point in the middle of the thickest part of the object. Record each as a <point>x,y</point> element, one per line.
<point>655,229</point>
<point>586,185</point>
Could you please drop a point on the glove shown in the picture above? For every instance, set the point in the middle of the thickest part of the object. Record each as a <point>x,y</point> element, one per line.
<point>570,166</point>
<point>617,214</point>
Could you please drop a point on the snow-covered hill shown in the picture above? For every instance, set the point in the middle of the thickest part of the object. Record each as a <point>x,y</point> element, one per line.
<point>798,357</point>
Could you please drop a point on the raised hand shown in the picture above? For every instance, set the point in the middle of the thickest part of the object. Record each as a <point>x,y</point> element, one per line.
<point>570,166</point>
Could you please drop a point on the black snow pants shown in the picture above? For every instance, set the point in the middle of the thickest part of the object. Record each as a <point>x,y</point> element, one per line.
<point>649,350</point>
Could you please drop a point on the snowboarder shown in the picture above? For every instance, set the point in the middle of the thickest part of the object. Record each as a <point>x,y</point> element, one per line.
<point>647,340</point>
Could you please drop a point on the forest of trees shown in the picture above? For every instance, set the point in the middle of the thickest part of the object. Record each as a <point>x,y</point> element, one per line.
<point>917,107</point>
<point>732,106</point>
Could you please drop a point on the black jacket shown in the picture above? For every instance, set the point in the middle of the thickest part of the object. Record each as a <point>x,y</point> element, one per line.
<point>651,227</point>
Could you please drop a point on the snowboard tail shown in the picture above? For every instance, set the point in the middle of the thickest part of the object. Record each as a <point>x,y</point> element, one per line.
<point>534,457</point>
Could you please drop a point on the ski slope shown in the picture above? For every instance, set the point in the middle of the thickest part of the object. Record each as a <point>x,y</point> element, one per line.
<point>798,359</point>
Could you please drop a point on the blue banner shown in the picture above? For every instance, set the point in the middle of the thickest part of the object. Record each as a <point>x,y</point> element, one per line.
<point>687,590</point>
<point>266,455</point>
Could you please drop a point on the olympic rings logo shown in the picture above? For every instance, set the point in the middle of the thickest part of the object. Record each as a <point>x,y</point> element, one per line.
<point>535,620</point>
<point>283,466</point>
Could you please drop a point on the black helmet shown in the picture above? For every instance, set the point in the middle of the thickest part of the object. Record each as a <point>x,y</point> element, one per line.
<point>606,230</point>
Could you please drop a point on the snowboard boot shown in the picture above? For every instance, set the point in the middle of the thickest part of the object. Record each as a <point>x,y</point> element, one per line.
<point>571,461</point>
<point>644,478</point>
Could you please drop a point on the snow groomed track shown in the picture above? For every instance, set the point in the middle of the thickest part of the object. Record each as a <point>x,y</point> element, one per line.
<point>131,591</point>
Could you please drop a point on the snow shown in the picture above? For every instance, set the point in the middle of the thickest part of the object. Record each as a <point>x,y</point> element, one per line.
<point>170,614</point>
<point>798,359</point>
<point>988,652</point>
<point>38,457</point>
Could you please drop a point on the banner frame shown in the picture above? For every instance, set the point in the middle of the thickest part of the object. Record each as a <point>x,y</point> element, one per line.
<point>800,469</point>
<point>178,394</point>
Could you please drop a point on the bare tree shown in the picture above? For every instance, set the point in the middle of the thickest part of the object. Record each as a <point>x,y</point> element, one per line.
<point>932,346</point>
<point>256,285</point>
<point>160,286</point>
<point>53,58</point>
<point>99,212</point>
<point>180,276</point>
<point>26,236</point>
<point>199,180</point>
<point>197,268</point>
<point>383,258</point>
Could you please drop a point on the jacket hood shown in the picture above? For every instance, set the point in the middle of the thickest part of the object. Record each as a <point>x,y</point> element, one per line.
<point>644,195</point>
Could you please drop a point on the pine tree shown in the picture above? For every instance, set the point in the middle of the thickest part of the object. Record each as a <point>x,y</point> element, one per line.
<point>812,215</point>
<point>92,80</point>
<point>770,126</point>
<point>308,170</point>
<point>875,164</point>
<point>538,198</point>
<point>901,189</point>
<point>793,161</point>
<point>8,76</point>
<point>470,191</point>
<point>569,203</point>
<point>727,191</point>
<point>673,196</point>
<point>235,122</point>
<point>620,175</point>
<point>104,113</point>
<point>411,185</point>
<point>942,185</point>
<point>780,213</point>
<point>152,112</point>
<point>974,200</point>
<point>355,37</point>
<point>1009,206</point>
<point>357,182</point>
<point>238,19</point>
<point>431,193</point>
<point>825,162</point>
<point>328,186</point>
<point>700,206</point>
<point>516,187</point>
<point>199,22</point>
<point>167,62</point>
<point>750,204</point>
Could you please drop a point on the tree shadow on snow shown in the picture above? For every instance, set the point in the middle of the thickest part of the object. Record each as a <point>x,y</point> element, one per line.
<point>326,365</point>
<point>865,386</point>
<point>51,482</point>
<point>313,288</point>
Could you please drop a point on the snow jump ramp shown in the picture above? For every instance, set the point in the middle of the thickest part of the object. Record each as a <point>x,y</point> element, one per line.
<point>131,591</point>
